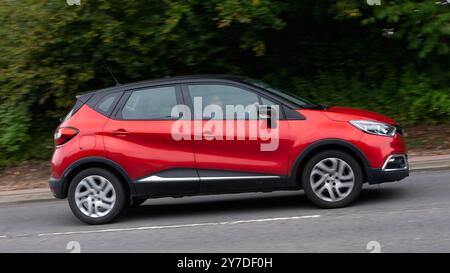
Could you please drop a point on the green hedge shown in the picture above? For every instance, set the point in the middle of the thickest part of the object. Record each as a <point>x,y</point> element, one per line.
<point>333,52</point>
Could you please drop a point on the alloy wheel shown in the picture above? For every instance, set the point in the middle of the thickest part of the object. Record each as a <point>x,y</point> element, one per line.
<point>332,179</point>
<point>95,196</point>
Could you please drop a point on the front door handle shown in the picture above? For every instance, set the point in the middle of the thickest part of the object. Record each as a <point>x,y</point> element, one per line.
<point>120,132</point>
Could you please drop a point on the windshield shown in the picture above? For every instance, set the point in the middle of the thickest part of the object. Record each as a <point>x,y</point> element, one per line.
<point>284,94</point>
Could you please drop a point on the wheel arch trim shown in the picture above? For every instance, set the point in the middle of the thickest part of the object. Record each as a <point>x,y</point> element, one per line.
<point>68,173</point>
<point>331,142</point>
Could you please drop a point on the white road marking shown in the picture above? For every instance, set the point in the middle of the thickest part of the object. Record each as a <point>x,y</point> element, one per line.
<point>163,226</point>
<point>178,226</point>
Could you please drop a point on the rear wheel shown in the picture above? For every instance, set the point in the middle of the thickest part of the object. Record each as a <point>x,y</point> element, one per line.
<point>332,179</point>
<point>96,196</point>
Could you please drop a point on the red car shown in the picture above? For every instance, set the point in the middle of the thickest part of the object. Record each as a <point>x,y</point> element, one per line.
<point>117,146</point>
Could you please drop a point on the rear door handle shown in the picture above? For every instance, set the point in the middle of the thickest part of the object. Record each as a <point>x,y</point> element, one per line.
<point>120,132</point>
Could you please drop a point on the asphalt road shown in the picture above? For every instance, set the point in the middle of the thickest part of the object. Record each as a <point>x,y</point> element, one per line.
<point>408,216</point>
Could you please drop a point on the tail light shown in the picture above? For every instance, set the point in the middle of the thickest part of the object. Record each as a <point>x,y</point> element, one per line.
<point>64,134</point>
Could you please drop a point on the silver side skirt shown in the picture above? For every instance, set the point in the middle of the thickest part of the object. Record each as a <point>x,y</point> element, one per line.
<point>155,178</point>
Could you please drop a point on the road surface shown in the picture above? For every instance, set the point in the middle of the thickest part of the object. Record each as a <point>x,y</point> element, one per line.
<point>408,216</point>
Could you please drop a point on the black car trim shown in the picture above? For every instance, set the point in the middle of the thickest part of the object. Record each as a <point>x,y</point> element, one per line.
<point>293,179</point>
<point>172,174</point>
<point>378,176</point>
<point>182,182</point>
<point>57,187</point>
<point>202,175</point>
<point>62,182</point>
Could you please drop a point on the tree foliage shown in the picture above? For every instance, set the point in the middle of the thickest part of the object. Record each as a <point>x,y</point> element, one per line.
<point>330,51</point>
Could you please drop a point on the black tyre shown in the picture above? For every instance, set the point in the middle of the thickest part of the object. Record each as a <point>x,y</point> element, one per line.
<point>96,196</point>
<point>332,179</point>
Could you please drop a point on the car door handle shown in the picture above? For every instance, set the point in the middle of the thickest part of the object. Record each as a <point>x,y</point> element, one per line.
<point>120,132</point>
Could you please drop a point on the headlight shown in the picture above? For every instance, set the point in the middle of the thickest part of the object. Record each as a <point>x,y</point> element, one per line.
<point>373,127</point>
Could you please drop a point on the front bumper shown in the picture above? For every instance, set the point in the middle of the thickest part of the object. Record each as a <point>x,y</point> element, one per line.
<point>377,176</point>
<point>57,187</point>
<point>395,168</point>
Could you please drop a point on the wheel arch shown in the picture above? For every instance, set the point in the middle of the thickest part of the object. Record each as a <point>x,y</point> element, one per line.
<point>327,144</point>
<point>96,162</point>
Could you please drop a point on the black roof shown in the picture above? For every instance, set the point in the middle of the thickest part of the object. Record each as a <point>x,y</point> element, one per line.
<point>85,96</point>
<point>98,94</point>
<point>168,80</point>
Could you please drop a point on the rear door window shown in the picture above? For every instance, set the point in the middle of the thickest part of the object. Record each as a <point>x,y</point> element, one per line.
<point>150,104</point>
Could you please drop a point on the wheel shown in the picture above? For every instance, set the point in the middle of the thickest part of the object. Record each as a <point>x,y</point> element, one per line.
<point>96,196</point>
<point>138,201</point>
<point>332,179</point>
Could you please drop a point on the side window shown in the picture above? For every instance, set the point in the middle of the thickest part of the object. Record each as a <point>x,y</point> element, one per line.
<point>221,96</point>
<point>106,103</point>
<point>152,103</point>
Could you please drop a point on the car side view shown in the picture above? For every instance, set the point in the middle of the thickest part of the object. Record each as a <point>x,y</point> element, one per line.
<point>116,147</point>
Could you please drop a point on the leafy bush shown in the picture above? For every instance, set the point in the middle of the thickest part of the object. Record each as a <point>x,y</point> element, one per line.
<point>330,51</point>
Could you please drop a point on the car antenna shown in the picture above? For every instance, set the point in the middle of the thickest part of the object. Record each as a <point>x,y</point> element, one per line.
<point>112,75</point>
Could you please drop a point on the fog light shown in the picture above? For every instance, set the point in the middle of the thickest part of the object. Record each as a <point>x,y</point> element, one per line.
<point>395,162</point>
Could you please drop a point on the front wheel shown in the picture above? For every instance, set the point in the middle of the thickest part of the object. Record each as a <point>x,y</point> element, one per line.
<point>96,196</point>
<point>332,179</point>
